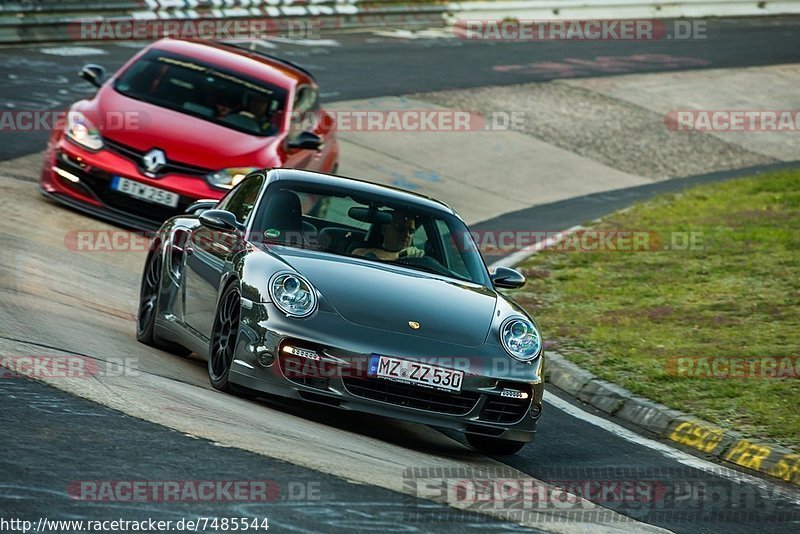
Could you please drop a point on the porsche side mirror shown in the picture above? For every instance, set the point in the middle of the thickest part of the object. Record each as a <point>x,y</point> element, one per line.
<point>222,220</point>
<point>93,73</point>
<point>306,141</point>
<point>506,278</point>
<point>199,206</point>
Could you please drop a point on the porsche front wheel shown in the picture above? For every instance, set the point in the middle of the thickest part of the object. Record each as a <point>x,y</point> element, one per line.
<point>223,338</point>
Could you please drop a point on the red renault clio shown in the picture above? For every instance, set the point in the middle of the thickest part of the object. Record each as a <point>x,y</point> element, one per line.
<point>182,121</point>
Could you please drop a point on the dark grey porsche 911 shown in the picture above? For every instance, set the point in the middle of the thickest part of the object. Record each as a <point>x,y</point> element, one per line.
<point>350,294</point>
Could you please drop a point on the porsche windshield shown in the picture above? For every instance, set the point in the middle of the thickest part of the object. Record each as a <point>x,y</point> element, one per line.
<point>185,85</point>
<point>341,222</point>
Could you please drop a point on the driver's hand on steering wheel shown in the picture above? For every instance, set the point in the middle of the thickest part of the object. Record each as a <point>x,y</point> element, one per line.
<point>411,252</point>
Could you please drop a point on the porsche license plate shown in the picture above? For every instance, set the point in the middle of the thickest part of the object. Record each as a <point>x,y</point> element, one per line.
<point>145,192</point>
<point>411,372</point>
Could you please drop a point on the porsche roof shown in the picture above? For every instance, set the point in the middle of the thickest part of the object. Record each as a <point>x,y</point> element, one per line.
<point>360,186</point>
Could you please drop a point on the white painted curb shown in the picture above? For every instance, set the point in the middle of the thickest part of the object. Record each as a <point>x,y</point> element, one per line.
<point>619,9</point>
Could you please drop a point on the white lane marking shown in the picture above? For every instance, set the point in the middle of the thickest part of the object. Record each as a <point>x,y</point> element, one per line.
<point>523,254</point>
<point>670,452</point>
<point>253,43</point>
<point>437,33</point>
<point>430,33</point>
<point>73,51</point>
<point>304,42</point>
<point>399,34</point>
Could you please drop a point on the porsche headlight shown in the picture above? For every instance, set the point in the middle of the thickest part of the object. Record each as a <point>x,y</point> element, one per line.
<point>520,338</point>
<point>227,178</point>
<point>80,130</point>
<point>293,294</point>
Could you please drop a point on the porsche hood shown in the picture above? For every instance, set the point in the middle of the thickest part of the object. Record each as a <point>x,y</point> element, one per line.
<point>400,300</point>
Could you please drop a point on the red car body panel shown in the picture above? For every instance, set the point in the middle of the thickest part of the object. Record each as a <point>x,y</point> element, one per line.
<point>189,142</point>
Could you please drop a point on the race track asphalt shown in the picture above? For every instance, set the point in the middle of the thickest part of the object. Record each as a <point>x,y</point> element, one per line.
<point>74,439</point>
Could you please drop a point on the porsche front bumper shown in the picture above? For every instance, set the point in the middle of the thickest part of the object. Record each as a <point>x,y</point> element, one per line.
<point>499,397</point>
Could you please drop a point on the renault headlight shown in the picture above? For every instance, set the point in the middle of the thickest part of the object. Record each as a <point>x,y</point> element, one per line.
<point>81,130</point>
<point>520,338</point>
<point>227,178</point>
<point>293,294</point>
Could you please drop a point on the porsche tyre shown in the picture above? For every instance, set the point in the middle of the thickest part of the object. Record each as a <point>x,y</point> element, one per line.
<point>223,343</point>
<point>223,338</point>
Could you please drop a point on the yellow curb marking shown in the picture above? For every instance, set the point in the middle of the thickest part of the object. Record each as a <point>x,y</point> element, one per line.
<point>787,468</point>
<point>701,437</point>
<point>748,454</point>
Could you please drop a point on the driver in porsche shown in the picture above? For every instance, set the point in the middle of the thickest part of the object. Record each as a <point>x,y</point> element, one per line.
<point>396,240</point>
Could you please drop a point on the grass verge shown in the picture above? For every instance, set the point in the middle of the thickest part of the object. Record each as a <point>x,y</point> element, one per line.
<point>630,316</point>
